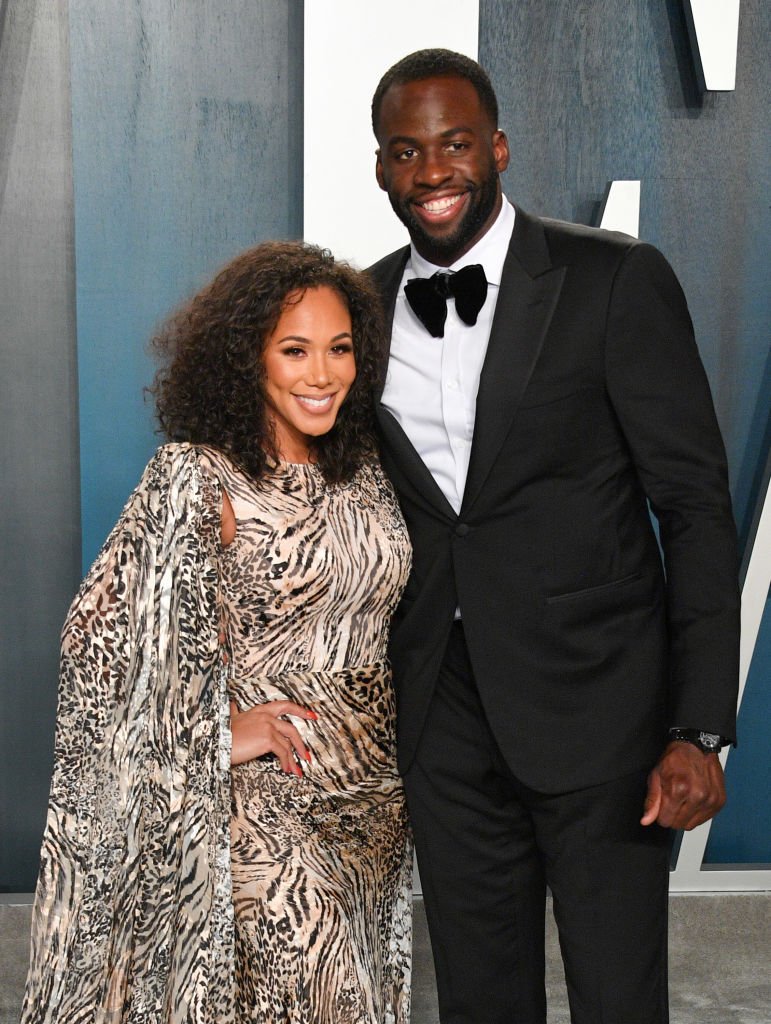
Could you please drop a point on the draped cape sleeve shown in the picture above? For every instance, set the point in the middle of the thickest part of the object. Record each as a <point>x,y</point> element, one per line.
<point>133,920</point>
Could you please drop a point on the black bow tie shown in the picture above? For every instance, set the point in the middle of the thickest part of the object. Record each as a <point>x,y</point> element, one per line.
<point>428,297</point>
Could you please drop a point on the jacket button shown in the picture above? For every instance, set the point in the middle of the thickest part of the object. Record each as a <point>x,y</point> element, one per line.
<point>462,529</point>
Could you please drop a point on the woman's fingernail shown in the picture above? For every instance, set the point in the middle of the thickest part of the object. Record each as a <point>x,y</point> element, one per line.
<point>308,756</point>
<point>313,715</point>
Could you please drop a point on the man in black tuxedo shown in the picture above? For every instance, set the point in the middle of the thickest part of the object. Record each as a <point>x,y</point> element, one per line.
<point>561,695</point>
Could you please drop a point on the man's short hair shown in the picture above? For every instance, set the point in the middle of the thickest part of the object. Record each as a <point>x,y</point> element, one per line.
<point>436,63</point>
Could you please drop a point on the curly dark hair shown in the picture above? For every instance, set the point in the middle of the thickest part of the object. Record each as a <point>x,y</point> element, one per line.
<point>436,63</point>
<point>209,388</point>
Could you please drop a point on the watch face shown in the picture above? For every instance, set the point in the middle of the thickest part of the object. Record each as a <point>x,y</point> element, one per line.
<point>710,741</point>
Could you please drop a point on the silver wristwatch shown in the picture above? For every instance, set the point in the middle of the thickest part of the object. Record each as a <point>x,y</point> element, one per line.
<point>707,742</point>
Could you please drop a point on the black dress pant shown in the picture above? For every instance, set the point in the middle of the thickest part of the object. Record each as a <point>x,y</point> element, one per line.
<point>488,846</point>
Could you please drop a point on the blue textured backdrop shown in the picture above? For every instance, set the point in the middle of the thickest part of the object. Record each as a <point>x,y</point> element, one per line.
<point>186,133</point>
<point>187,146</point>
<point>741,833</point>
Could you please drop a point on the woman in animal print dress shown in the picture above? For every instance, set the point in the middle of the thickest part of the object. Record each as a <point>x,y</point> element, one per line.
<point>227,838</point>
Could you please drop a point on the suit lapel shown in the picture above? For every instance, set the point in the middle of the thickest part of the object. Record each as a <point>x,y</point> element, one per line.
<point>388,274</point>
<point>411,465</point>
<point>530,288</point>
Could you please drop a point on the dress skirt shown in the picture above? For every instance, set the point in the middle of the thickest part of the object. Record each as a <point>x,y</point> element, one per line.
<point>322,865</point>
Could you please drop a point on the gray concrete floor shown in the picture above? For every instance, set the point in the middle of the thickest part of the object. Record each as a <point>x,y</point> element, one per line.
<point>720,962</point>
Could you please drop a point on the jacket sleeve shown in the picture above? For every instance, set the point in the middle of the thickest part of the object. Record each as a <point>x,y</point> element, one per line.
<point>661,396</point>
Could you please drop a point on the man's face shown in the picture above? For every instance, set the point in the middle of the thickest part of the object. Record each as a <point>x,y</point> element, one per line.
<point>439,160</point>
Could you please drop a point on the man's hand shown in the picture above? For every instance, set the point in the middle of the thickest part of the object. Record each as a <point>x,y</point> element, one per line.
<point>685,788</point>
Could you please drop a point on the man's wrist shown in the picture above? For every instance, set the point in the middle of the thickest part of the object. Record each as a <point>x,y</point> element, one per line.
<point>707,742</point>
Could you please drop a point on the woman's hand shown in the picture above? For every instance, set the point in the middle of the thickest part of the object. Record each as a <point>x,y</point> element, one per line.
<point>263,730</point>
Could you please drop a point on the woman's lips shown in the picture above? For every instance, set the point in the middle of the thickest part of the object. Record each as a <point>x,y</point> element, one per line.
<point>315,405</point>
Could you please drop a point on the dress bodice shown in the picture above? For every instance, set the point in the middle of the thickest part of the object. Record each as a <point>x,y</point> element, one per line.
<point>315,570</point>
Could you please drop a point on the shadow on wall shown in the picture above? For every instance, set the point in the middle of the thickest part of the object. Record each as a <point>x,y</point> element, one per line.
<point>681,84</point>
<point>15,41</point>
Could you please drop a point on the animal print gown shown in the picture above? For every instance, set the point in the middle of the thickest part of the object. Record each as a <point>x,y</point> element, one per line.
<point>321,864</point>
<point>134,917</point>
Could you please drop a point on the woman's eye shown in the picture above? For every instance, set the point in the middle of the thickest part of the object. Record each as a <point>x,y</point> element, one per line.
<point>343,348</point>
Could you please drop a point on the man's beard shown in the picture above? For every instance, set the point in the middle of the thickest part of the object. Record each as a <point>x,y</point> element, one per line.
<point>481,204</point>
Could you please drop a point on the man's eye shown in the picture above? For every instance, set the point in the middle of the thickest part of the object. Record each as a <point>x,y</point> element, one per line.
<point>457,147</point>
<point>405,154</point>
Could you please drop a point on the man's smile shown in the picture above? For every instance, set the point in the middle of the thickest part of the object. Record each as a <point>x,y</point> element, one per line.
<point>443,208</point>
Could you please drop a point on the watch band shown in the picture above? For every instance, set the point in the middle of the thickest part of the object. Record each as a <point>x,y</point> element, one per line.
<point>707,742</point>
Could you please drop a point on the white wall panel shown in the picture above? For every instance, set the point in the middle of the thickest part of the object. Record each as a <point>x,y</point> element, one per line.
<point>622,208</point>
<point>714,30</point>
<point>348,46</point>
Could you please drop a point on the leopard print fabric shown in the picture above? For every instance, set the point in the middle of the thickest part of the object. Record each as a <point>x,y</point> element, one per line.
<point>322,865</point>
<point>133,920</point>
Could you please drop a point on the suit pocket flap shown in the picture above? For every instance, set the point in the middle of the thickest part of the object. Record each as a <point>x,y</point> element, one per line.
<point>574,595</point>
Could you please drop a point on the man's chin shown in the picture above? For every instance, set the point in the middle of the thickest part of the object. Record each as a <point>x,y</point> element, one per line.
<point>440,244</point>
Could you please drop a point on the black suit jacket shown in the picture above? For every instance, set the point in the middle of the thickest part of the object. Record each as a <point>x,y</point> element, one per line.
<point>592,402</point>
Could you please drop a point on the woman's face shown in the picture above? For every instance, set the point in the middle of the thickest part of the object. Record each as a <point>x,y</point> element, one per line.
<point>309,369</point>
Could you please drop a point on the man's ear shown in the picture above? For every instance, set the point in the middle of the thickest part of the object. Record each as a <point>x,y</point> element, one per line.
<point>500,150</point>
<point>379,170</point>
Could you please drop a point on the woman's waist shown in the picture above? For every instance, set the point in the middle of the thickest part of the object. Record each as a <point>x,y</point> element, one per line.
<point>351,739</point>
<point>352,686</point>
<point>274,648</point>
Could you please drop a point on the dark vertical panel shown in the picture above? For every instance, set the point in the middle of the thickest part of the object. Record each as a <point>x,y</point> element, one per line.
<point>39,525</point>
<point>602,89</point>
<point>742,833</point>
<point>596,90</point>
<point>187,147</point>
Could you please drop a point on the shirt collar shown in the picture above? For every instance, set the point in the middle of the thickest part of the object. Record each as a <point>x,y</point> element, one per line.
<point>490,250</point>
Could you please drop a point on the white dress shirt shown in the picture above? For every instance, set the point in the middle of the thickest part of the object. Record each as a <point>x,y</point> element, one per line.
<point>432,383</point>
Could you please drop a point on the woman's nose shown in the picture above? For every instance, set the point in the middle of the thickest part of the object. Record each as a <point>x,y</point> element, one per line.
<point>318,371</point>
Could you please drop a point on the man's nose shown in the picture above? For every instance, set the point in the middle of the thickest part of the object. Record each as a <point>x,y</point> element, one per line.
<point>433,169</point>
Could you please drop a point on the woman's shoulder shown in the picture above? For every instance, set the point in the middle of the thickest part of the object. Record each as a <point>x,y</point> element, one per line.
<point>177,457</point>
<point>186,472</point>
<point>169,460</point>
